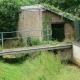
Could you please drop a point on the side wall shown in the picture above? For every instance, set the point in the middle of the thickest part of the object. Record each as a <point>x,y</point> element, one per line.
<point>69,31</point>
<point>65,54</point>
<point>76,53</point>
<point>47,18</point>
<point>30,20</point>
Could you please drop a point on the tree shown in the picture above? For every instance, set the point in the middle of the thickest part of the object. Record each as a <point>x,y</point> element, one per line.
<point>9,14</point>
<point>26,2</point>
<point>71,6</point>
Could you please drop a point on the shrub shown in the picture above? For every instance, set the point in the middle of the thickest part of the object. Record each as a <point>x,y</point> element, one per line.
<point>33,41</point>
<point>9,14</point>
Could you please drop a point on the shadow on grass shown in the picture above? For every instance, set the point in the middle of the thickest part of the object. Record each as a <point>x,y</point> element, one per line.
<point>67,61</point>
<point>70,63</point>
<point>19,60</point>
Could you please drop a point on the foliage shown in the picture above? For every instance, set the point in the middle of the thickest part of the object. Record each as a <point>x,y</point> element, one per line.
<point>33,41</point>
<point>71,6</point>
<point>26,2</point>
<point>55,42</point>
<point>56,9</point>
<point>9,14</point>
<point>46,26</point>
<point>15,43</point>
<point>42,66</point>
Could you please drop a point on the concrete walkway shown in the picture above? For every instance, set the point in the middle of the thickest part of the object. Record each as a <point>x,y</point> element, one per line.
<point>34,49</point>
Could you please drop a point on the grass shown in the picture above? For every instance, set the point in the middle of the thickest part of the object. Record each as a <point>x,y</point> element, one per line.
<point>55,42</point>
<point>37,66</point>
<point>30,42</point>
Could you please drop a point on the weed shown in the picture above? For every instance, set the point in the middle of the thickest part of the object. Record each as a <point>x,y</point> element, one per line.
<point>13,43</point>
<point>38,66</point>
<point>33,41</point>
<point>68,40</point>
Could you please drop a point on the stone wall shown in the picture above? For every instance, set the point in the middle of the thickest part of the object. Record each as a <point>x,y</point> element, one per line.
<point>76,53</point>
<point>69,31</point>
<point>30,20</point>
<point>65,54</point>
<point>54,17</point>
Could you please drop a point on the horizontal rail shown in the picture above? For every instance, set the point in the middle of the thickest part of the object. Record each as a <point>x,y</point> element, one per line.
<point>34,49</point>
<point>25,31</point>
<point>23,37</point>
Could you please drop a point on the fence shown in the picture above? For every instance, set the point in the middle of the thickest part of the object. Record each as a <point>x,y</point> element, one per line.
<point>77,29</point>
<point>25,36</point>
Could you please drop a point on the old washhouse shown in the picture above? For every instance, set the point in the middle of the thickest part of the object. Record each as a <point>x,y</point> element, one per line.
<point>41,17</point>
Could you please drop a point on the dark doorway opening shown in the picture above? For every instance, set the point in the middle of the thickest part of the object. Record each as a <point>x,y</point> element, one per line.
<point>58,31</point>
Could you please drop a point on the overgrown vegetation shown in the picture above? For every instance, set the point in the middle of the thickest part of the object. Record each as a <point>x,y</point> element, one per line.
<point>13,43</point>
<point>9,14</point>
<point>56,9</point>
<point>47,26</point>
<point>70,6</point>
<point>17,43</point>
<point>37,66</point>
<point>33,41</point>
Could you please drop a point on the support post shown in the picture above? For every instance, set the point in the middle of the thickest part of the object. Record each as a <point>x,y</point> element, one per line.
<point>26,38</point>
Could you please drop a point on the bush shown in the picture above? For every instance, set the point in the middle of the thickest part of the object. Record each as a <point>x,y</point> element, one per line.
<point>9,14</point>
<point>33,41</point>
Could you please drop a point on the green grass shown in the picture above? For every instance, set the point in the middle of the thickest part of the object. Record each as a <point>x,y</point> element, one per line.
<point>31,42</point>
<point>37,66</point>
<point>55,42</point>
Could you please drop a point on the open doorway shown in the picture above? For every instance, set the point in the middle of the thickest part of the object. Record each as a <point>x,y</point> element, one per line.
<point>58,31</point>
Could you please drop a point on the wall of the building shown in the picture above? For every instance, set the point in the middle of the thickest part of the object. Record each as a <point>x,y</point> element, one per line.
<point>65,54</point>
<point>68,29</point>
<point>30,20</point>
<point>38,19</point>
<point>47,18</point>
<point>54,17</point>
<point>76,53</point>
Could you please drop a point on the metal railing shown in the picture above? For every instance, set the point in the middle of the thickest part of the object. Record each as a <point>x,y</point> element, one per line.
<point>25,36</point>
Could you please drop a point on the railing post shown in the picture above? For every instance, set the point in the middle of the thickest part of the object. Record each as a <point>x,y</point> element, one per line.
<point>2,40</point>
<point>47,34</point>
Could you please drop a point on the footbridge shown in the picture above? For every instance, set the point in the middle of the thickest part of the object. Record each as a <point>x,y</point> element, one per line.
<point>34,49</point>
<point>28,34</point>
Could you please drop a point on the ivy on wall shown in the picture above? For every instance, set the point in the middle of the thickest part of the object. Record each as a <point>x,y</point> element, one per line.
<point>46,25</point>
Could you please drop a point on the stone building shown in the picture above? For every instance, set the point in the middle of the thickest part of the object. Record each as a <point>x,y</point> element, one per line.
<point>39,18</point>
